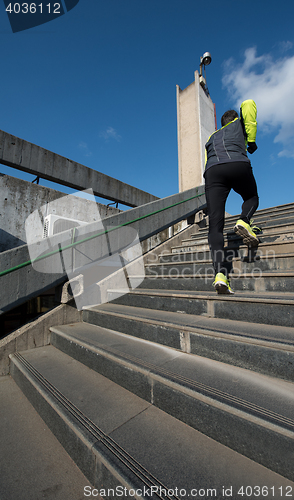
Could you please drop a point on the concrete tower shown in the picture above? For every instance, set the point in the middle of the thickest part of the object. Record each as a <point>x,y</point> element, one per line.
<point>196,122</point>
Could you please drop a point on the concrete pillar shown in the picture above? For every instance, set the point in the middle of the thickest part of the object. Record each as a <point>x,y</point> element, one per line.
<point>196,122</point>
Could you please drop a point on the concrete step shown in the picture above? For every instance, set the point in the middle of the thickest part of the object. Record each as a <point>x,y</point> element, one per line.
<point>279,262</point>
<point>33,463</point>
<point>269,219</point>
<point>272,211</point>
<point>274,241</point>
<point>255,281</point>
<point>263,251</point>
<point>266,224</point>
<point>263,348</point>
<point>234,406</point>
<point>230,237</point>
<point>266,216</point>
<point>277,209</point>
<point>126,443</point>
<point>269,308</point>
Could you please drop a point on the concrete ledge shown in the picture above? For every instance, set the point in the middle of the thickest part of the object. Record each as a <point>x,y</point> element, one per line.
<point>15,214</point>
<point>36,333</point>
<point>25,156</point>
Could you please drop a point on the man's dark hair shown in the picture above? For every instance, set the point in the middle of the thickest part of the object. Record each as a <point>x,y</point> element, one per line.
<point>228,117</point>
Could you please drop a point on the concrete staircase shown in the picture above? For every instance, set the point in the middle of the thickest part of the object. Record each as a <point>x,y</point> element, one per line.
<point>173,391</point>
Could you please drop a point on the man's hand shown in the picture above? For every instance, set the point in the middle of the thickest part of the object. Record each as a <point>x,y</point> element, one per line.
<point>251,147</point>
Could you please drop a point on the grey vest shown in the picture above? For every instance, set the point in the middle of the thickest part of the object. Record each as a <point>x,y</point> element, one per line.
<point>226,145</point>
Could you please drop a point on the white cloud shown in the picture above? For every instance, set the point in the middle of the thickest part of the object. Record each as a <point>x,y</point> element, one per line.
<point>285,46</point>
<point>270,82</point>
<point>110,133</point>
<point>85,148</point>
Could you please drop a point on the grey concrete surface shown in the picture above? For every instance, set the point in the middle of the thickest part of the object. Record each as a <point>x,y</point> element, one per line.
<point>111,407</point>
<point>240,408</point>
<point>262,348</point>
<point>193,295</point>
<point>209,466</point>
<point>195,124</point>
<point>174,453</point>
<point>28,157</point>
<point>35,333</point>
<point>20,199</point>
<point>274,395</point>
<point>33,463</point>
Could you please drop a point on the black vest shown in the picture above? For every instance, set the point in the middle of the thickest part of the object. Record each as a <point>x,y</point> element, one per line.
<point>226,145</point>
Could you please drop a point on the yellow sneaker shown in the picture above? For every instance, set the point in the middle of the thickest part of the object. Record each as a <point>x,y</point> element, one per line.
<point>222,284</point>
<point>246,232</point>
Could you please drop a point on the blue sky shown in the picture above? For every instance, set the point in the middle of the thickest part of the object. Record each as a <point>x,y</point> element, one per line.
<point>98,85</point>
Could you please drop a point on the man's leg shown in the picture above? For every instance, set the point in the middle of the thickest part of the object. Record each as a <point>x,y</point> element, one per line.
<point>243,182</point>
<point>245,185</point>
<point>216,192</point>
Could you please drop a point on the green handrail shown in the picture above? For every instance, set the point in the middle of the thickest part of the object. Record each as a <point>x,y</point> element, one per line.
<point>71,245</point>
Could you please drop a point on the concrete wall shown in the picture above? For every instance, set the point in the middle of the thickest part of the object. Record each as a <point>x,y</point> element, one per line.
<point>36,333</point>
<point>207,121</point>
<point>19,199</point>
<point>196,122</point>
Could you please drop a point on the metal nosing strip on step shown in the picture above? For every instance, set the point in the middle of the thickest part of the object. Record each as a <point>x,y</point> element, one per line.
<point>204,389</point>
<point>131,463</point>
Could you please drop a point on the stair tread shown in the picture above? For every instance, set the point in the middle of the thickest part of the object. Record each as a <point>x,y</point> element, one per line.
<point>240,296</point>
<point>241,330</point>
<point>231,237</point>
<point>176,454</point>
<point>271,223</point>
<point>277,243</point>
<point>259,256</point>
<point>231,385</point>
<point>272,210</point>
<point>33,463</point>
<point>262,245</point>
<point>209,261</point>
<point>209,274</point>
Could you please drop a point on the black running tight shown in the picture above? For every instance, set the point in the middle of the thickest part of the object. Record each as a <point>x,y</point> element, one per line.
<point>219,180</point>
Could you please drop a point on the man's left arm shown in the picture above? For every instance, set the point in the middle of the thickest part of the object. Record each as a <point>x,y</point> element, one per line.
<point>248,113</point>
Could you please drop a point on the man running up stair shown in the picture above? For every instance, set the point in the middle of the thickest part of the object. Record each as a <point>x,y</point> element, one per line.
<point>228,167</point>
